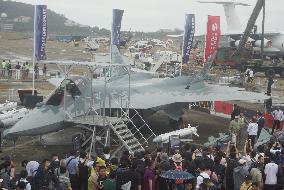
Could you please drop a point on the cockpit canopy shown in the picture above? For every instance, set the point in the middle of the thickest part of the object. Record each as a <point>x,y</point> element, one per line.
<point>57,97</point>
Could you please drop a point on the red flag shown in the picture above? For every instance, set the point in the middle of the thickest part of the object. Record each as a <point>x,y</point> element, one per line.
<point>212,36</point>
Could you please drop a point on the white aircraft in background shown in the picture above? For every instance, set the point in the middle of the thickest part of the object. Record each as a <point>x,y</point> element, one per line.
<point>274,39</point>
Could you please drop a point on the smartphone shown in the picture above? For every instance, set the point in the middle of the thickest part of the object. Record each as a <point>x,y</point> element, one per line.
<point>101,183</point>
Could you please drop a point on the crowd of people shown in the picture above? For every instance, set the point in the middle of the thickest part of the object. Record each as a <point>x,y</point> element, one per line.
<point>212,168</point>
<point>233,165</point>
<point>21,71</point>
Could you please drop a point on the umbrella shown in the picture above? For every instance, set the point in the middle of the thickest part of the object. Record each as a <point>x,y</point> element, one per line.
<point>174,175</point>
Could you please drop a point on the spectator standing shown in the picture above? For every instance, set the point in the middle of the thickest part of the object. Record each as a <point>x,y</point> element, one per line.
<point>252,130</point>
<point>72,168</point>
<point>234,129</point>
<point>9,68</point>
<point>23,183</point>
<point>4,174</point>
<point>269,85</point>
<point>18,71</point>
<point>31,167</point>
<point>84,172</point>
<point>4,67</point>
<point>44,70</point>
<point>236,112</point>
<point>44,179</point>
<point>149,175</point>
<point>232,156</point>
<point>277,116</point>
<point>36,70</point>
<point>240,173</point>
<point>55,163</point>
<point>256,173</point>
<point>242,133</point>
<point>260,123</point>
<point>270,171</point>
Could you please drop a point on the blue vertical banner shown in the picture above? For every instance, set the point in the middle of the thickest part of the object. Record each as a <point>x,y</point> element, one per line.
<point>189,30</point>
<point>40,30</point>
<point>116,25</point>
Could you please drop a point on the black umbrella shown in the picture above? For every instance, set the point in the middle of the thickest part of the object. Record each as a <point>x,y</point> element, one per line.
<point>174,175</point>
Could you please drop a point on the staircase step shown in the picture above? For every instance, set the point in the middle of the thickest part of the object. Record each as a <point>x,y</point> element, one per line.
<point>119,127</point>
<point>127,136</point>
<point>131,141</point>
<point>135,146</point>
<point>123,131</point>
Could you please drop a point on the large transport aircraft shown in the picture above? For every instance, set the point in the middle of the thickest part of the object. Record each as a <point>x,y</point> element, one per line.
<point>273,42</point>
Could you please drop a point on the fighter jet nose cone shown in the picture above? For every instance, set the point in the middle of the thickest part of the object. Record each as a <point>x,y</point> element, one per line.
<point>6,133</point>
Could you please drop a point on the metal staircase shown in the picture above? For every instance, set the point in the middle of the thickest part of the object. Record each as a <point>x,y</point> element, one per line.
<point>118,122</point>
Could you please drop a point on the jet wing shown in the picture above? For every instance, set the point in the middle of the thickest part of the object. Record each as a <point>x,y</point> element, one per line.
<point>152,93</point>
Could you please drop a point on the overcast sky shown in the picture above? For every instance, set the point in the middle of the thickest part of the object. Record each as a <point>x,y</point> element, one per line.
<point>151,15</point>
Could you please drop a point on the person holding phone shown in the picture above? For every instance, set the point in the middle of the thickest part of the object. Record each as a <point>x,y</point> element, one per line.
<point>102,177</point>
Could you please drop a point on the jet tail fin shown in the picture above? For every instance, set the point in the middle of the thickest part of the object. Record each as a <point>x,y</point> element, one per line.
<point>233,21</point>
<point>204,71</point>
<point>117,58</point>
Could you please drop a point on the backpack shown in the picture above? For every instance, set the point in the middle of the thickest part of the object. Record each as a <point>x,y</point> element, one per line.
<point>179,181</point>
<point>21,185</point>
<point>63,183</point>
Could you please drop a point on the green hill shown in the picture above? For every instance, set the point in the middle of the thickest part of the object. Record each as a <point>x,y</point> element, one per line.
<point>55,20</point>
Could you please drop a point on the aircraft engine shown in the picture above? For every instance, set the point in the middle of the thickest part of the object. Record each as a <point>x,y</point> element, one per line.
<point>267,43</point>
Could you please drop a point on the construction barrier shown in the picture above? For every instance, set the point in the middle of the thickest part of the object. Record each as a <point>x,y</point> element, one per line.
<point>223,107</point>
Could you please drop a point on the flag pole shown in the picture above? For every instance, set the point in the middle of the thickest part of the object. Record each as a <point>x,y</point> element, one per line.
<point>33,57</point>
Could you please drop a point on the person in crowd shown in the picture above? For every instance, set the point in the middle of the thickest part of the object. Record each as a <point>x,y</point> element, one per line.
<point>234,129</point>
<point>269,85</point>
<point>44,70</point>
<point>55,162</point>
<point>4,68</point>
<point>278,117</point>
<point>18,71</point>
<point>256,172</point>
<point>72,168</point>
<point>252,130</point>
<point>247,184</point>
<point>162,166</point>
<point>177,164</point>
<point>5,174</point>
<point>260,123</point>
<point>271,171</point>
<point>27,70</point>
<point>62,175</point>
<point>31,167</point>
<point>231,160</point>
<point>121,178</point>
<point>23,183</point>
<point>83,171</point>
<point>9,68</point>
<point>236,112</point>
<point>93,179</point>
<point>1,69</point>
<point>242,132</point>
<point>149,175</point>
<point>44,179</point>
<point>36,70</point>
<point>203,175</point>
<point>109,183</point>
<point>240,173</point>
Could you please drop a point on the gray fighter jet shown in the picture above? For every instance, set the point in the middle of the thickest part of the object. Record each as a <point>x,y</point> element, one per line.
<point>146,93</point>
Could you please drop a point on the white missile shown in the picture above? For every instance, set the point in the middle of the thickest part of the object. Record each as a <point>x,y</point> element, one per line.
<point>164,138</point>
<point>11,113</point>
<point>8,106</point>
<point>13,120</point>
